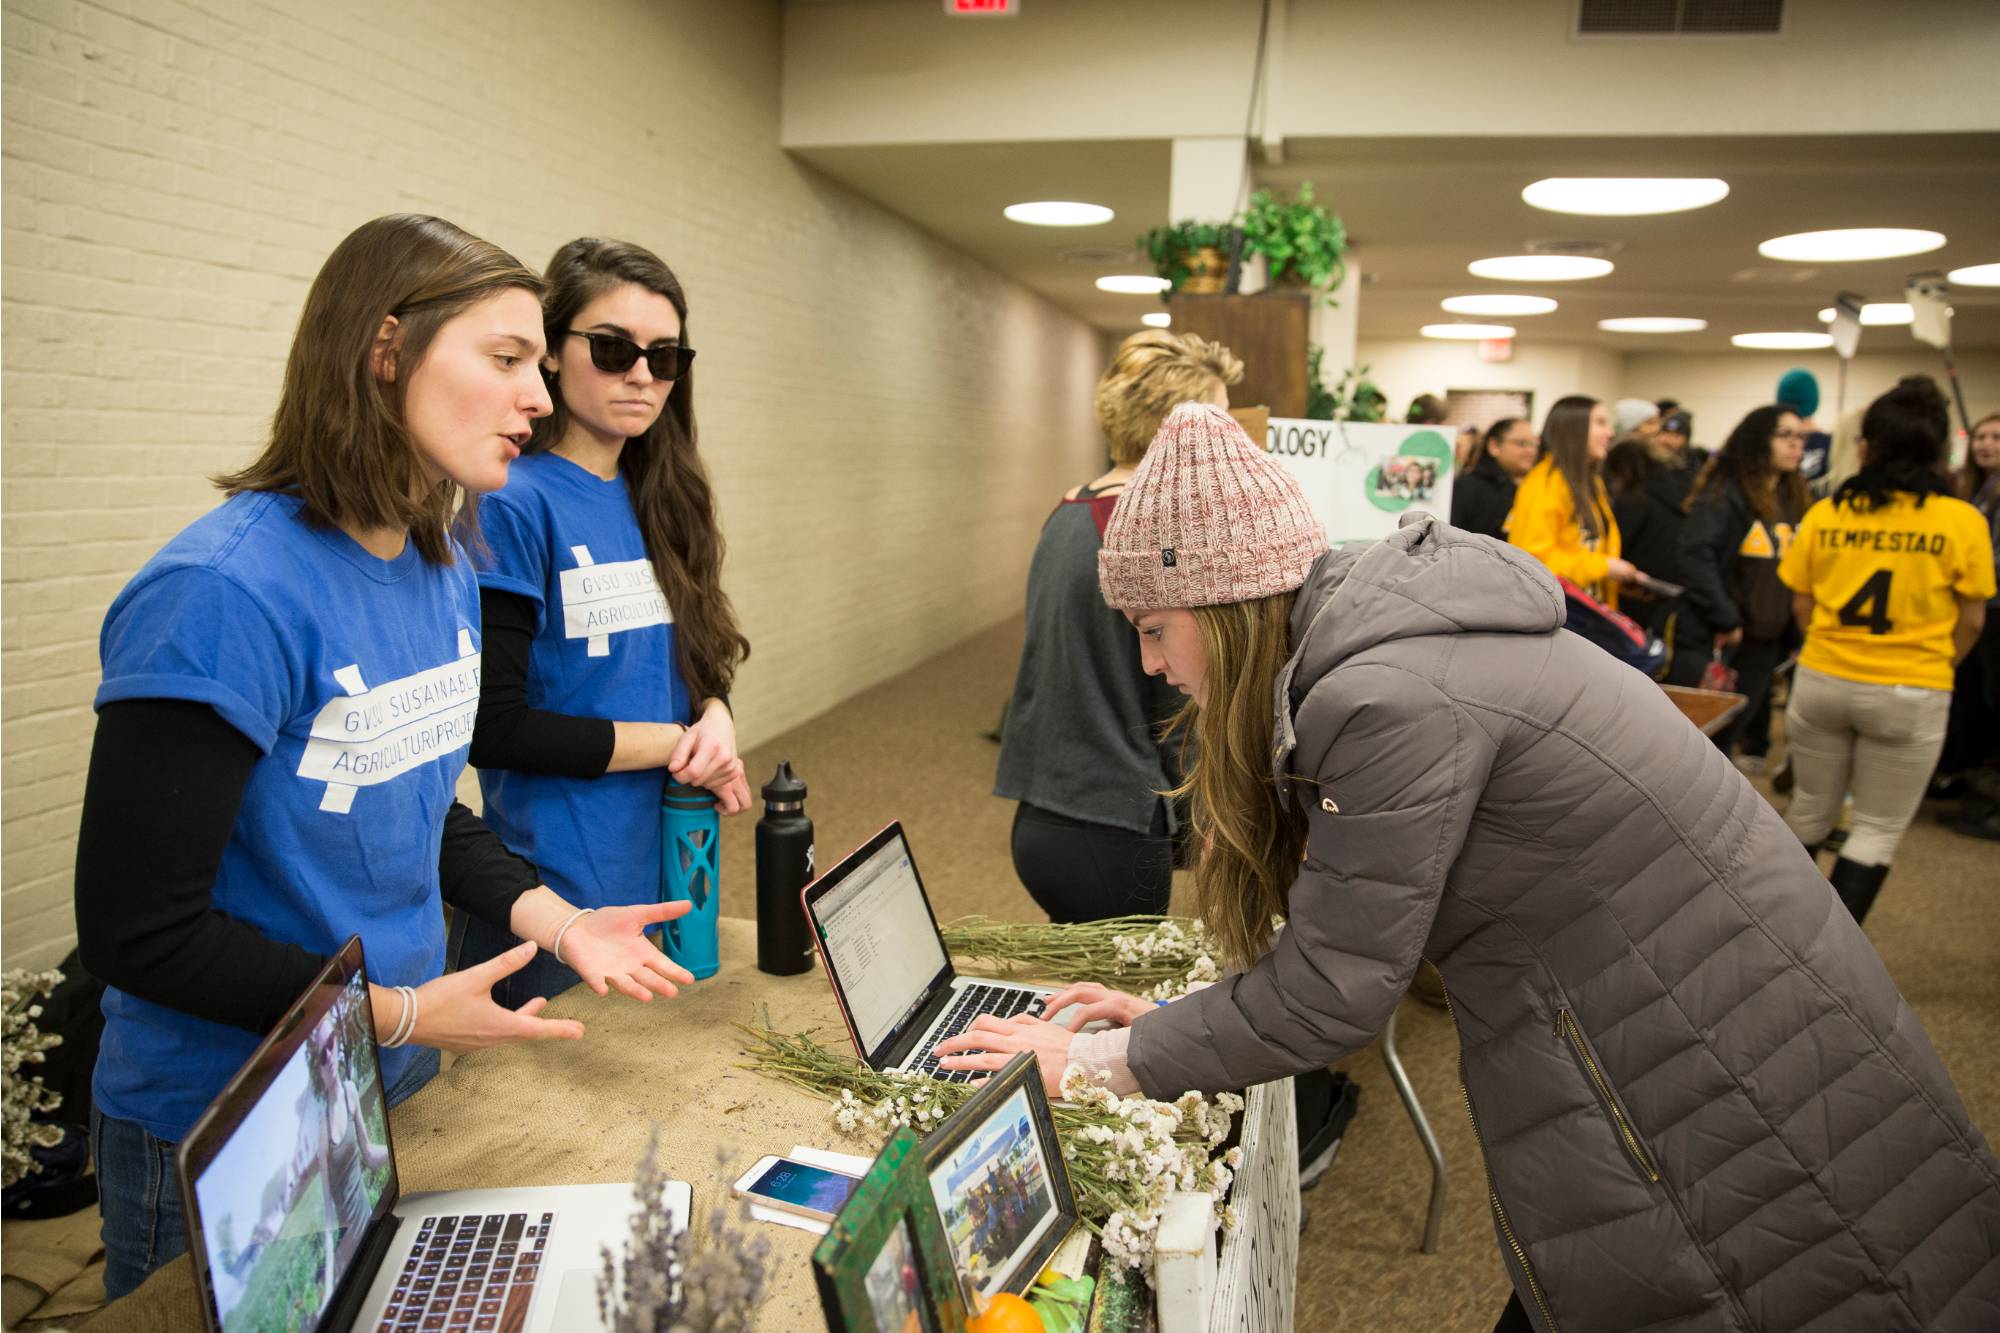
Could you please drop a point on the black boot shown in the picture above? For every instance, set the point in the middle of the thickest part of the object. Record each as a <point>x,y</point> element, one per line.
<point>1857,885</point>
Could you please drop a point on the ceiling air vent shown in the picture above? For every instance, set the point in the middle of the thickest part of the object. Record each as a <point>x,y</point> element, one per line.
<point>1581,249</point>
<point>1097,255</point>
<point>1624,18</point>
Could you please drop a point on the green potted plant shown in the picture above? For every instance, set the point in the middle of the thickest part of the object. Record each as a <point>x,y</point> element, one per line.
<point>1191,256</point>
<point>1354,398</point>
<point>1304,244</point>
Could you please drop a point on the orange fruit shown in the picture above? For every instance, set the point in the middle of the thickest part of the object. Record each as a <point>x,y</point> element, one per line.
<point>1006,1313</point>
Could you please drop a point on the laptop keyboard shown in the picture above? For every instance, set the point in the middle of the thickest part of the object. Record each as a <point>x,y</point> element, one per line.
<point>474,1273</point>
<point>1000,1001</point>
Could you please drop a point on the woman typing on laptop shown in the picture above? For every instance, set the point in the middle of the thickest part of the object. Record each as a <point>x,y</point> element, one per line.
<point>1702,1102</point>
<point>288,694</point>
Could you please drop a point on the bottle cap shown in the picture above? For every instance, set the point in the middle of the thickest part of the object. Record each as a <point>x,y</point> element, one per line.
<point>784,788</point>
<point>683,796</point>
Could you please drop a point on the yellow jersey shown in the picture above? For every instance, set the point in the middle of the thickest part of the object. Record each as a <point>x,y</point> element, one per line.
<point>1543,523</point>
<point>1886,584</point>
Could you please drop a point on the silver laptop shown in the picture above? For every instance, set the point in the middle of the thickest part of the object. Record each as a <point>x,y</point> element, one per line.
<point>295,1219</point>
<point>897,990</point>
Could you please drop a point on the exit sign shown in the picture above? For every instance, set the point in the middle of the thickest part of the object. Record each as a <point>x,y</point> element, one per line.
<point>991,9</point>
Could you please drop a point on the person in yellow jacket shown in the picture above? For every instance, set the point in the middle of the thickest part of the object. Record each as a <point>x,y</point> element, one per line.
<point>1890,577</point>
<point>1577,542</point>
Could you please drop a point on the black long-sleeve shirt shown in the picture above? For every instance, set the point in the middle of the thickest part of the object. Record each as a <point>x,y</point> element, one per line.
<point>508,733</point>
<point>150,847</point>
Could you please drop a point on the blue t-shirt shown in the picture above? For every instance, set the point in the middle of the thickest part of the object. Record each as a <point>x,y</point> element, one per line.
<point>567,540</point>
<point>358,679</point>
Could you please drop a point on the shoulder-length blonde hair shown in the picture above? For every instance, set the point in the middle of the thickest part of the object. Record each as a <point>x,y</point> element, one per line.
<point>338,439</point>
<point>1249,835</point>
<point>1153,373</point>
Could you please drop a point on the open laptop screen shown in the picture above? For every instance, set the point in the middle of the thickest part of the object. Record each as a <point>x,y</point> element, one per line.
<point>881,943</point>
<point>292,1164</point>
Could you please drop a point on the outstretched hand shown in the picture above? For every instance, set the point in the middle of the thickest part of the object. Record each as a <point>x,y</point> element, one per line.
<point>609,948</point>
<point>457,1013</point>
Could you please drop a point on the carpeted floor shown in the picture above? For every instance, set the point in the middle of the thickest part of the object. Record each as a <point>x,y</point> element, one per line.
<point>911,749</point>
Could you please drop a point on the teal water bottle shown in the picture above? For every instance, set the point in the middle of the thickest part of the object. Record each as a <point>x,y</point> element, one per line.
<point>691,871</point>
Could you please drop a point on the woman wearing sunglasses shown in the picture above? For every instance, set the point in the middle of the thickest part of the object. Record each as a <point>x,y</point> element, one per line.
<point>288,691</point>
<point>610,645</point>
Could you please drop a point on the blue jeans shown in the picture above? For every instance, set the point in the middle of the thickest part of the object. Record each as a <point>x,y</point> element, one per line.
<point>139,1190</point>
<point>473,942</point>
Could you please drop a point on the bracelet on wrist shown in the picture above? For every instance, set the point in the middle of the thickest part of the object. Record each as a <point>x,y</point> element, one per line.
<point>407,1022</point>
<point>555,946</point>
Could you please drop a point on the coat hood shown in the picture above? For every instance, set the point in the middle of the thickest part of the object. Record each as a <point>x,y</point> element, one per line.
<point>1429,578</point>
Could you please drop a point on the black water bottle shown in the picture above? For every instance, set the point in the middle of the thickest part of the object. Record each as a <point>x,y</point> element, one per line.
<point>784,868</point>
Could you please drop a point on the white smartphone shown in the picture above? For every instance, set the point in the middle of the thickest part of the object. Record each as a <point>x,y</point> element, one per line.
<point>796,1187</point>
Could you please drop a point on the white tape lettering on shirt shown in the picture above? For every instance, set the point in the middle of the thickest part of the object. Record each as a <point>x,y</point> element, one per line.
<point>602,600</point>
<point>372,736</point>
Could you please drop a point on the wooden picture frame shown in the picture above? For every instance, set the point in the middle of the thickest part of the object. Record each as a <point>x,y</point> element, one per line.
<point>996,1181</point>
<point>884,1266</point>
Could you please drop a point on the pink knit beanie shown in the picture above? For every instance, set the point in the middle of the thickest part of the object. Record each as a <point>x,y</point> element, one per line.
<point>1208,518</point>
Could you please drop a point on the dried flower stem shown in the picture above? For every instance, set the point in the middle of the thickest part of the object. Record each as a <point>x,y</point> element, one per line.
<point>1124,1155</point>
<point>1153,955</point>
<point>21,1097</point>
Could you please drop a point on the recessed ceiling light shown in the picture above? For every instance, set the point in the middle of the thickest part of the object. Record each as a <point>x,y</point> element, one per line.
<point>1652,324</point>
<point>1782,342</point>
<point>1877,312</point>
<point>1539,268</point>
<point>1467,332</point>
<point>1623,196</point>
<point>1979,275</point>
<point>1058,213</point>
<point>1133,284</point>
<point>1498,305</point>
<point>1159,319</point>
<point>1850,244</point>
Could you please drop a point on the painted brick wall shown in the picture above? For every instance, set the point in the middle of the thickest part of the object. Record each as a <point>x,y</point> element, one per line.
<point>887,421</point>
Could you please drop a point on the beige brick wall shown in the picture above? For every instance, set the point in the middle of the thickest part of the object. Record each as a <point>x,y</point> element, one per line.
<point>887,421</point>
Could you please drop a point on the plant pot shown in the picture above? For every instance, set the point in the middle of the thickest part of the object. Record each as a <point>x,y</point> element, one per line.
<point>1208,271</point>
<point>1291,280</point>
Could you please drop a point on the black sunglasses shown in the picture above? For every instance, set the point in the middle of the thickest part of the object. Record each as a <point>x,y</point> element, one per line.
<point>614,355</point>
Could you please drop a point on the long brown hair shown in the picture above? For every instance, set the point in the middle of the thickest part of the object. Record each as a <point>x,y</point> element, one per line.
<point>1566,438</point>
<point>338,440</point>
<point>1251,835</point>
<point>669,487</point>
<point>1972,478</point>
<point>1745,458</point>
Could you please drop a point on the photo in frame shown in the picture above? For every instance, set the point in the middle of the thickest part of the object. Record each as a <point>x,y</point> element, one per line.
<point>884,1266</point>
<point>997,1181</point>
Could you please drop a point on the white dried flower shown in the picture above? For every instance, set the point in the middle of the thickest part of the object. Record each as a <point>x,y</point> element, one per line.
<point>21,1097</point>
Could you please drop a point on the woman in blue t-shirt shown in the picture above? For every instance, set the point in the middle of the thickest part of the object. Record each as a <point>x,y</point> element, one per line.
<point>288,692</point>
<point>610,645</point>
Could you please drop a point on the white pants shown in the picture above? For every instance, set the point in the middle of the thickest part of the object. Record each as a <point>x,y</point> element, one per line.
<point>1879,742</point>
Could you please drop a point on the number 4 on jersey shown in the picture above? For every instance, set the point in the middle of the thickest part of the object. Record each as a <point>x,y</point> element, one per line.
<point>1869,607</point>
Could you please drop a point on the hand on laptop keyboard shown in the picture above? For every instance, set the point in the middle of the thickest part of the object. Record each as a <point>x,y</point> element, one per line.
<point>973,1001</point>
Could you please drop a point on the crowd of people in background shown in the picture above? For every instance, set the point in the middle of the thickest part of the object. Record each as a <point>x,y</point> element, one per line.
<point>1713,534</point>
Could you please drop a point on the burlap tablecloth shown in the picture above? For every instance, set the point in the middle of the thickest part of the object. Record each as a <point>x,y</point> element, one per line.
<point>560,1112</point>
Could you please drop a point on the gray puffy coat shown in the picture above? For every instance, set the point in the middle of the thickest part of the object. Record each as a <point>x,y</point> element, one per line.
<point>1702,1101</point>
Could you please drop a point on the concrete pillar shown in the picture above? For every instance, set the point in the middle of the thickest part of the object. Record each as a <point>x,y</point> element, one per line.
<point>1334,327</point>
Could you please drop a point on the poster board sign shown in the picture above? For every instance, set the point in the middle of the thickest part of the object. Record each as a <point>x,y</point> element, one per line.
<point>1361,477</point>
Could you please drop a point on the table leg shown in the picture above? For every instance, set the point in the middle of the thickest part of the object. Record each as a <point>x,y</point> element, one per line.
<point>1397,1075</point>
